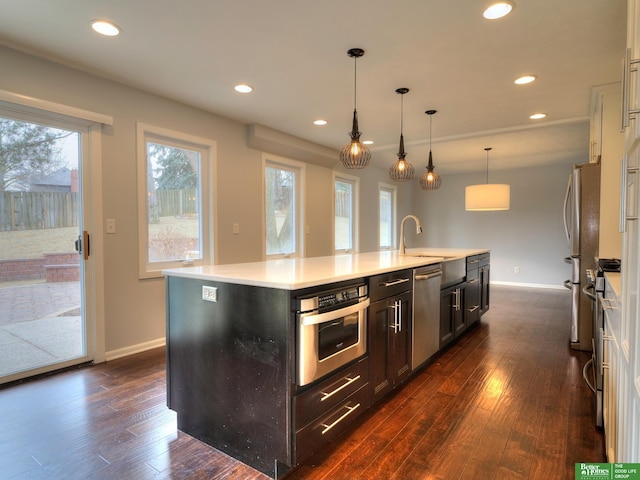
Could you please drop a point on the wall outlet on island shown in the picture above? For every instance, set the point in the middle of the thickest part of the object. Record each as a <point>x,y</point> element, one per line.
<point>210,294</point>
<point>516,269</point>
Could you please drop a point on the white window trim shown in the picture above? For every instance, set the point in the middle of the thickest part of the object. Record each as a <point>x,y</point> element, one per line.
<point>300,168</point>
<point>355,182</point>
<point>394,213</point>
<point>207,180</point>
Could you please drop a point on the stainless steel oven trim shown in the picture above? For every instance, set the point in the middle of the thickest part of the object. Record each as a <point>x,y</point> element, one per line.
<point>309,368</point>
<point>316,318</point>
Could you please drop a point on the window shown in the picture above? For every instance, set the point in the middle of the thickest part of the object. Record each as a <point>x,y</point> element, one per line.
<point>174,200</point>
<point>387,215</point>
<point>345,213</point>
<point>283,180</point>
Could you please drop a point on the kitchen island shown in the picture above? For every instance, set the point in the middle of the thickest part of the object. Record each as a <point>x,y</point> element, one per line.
<point>231,353</point>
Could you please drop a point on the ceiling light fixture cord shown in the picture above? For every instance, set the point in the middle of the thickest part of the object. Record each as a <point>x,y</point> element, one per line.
<point>355,154</point>
<point>487,150</point>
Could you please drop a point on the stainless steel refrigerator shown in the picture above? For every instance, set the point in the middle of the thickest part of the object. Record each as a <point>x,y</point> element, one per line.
<point>582,226</point>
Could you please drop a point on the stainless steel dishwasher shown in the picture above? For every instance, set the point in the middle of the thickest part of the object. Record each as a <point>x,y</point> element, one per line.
<point>426,313</point>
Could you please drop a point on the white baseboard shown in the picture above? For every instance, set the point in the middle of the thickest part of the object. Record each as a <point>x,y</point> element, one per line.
<point>530,285</point>
<point>133,349</point>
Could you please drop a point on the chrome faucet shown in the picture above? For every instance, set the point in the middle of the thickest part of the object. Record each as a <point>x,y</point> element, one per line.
<point>418,231</point>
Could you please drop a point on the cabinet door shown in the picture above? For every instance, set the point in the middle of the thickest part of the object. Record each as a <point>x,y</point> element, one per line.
<point>379,330</point>
<point>447,303</point>
<point>389,343</point>
<point>457,312</point>
<point>484,289</point>
<point>400,339</point>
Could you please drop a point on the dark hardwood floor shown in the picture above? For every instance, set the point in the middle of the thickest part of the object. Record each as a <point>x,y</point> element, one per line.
<point>505,402</point>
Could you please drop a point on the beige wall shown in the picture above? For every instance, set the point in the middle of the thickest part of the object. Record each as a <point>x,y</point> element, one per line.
<point>530,235</point>
<point>135,309</point>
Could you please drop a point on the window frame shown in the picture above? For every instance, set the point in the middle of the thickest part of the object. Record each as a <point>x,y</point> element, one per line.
<point>355,196</point>
<point>207,148</point>
<point>393,191</point>
<point>299,170</point>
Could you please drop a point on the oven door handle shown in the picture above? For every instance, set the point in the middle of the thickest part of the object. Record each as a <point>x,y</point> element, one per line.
<point>587,289</point>
<point>316,318</point>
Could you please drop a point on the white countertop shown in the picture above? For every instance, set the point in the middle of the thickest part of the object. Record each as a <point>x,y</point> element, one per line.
<point>295,273</point>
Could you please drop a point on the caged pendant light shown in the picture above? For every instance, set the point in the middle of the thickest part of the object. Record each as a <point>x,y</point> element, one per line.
<point>401,170</point>
<point>487,197</point>
<point>356,154</point>
<point>430,180</point>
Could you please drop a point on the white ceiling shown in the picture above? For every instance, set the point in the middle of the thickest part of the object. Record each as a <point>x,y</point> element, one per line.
<point>294,53</point>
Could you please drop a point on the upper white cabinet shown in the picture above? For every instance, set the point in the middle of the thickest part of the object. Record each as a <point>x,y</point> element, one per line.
<point>607,146</point>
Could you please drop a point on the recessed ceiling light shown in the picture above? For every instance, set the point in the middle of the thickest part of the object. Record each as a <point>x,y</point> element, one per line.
<point>537,116</point>
<point>368,142</point>
<point>104,27</point>
<point>498,10</point>
<point>319,122</point>
<point>243,88</point>
<point>523,80</point>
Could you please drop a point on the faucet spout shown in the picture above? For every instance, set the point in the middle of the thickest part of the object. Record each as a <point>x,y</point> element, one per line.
<point>418,231</point>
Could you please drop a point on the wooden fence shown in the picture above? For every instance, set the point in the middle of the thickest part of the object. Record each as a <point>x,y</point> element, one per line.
<point>36,210</point>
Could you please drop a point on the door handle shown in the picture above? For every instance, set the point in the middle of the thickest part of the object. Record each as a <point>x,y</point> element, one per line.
<point>82,245</point>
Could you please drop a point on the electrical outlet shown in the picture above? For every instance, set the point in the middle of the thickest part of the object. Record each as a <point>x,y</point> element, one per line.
<point>210,294</point>
<point>516,269</point>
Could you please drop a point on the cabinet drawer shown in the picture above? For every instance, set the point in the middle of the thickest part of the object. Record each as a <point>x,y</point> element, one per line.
<point>472,313</point>
<point>484,259</point>
<point>327,427</point>
<point>326,395</point>
<point>390,284</point>
<point>473,274</point>
<point>473,262</point>
<point>472,288</point>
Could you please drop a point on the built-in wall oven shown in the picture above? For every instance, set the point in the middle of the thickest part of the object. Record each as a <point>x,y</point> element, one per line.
<point>331,330</point>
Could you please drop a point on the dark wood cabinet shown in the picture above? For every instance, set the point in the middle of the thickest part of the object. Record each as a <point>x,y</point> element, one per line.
<point>389,331</point>
<point>484,284</point>
<point>451,313</point>
<point>477,301</point>
<point>324,411</point>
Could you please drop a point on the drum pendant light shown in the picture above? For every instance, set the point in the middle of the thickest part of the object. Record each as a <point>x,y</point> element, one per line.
<point>487,197</point>
<point>401,170</point>
<point>355,155</point>
<point>430,180</point>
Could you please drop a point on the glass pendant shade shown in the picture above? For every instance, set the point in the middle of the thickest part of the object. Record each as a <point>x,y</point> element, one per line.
<point>401,170</point>
<point>355,154</point>
<point>487,197</point>
<point>430,180</point>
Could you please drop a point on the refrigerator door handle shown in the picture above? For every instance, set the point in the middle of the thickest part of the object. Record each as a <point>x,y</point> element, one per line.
<point>564,212</point>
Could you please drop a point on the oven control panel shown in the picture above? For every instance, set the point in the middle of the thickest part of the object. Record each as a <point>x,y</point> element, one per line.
<point>332,300</point>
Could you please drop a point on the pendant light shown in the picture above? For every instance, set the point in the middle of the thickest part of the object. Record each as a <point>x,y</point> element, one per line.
<point>487,197</point>
<point>430,180</point>
<point>401,170</point>
<point>355,155</point>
